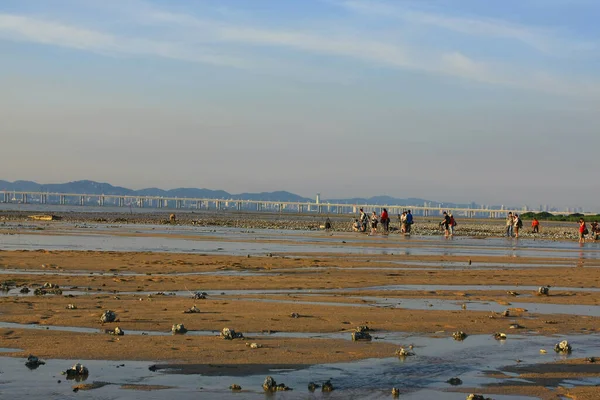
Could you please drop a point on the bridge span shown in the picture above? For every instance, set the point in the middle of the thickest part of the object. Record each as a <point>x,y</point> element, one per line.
<point>101,200</point>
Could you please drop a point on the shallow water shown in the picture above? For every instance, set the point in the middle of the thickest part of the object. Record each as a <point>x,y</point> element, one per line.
<point>422,376</point>
<point>435,246</point>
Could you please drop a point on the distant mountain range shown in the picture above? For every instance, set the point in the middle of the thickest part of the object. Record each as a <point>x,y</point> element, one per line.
<point>92,187</point>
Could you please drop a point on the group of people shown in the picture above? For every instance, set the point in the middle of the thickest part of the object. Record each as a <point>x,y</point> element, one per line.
<point>363,222</point>
<point>448,224</point>
<point>514,224</point>
<point>583,230</point>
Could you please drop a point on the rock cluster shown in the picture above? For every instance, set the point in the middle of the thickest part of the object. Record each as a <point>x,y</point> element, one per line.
<point>269,385</point>
<point>178,329</point>
<point>230,334</point>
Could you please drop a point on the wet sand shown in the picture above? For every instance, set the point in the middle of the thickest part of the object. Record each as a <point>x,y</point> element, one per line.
<point>332,292</point>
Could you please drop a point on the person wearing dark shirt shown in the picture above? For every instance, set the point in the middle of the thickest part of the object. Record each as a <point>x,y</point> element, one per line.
<point>446,224</point>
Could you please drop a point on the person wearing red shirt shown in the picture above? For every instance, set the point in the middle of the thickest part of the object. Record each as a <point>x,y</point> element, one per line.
<point>535,226</point>
<point>582,230</point>
<point>385,221</point>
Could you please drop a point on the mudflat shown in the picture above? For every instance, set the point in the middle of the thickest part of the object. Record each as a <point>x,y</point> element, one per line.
<point>299,308</point>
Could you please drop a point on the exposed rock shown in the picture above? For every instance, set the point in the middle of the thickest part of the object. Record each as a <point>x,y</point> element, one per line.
<point>178,329</point>
<point>235,387</point>
<point>363,328</point>
<point>327,387</point>
<point>192,310</point>
<point>117,332</point>
<point>76,371</point>
<point>295,315</point>
<point>199,295</point>
<point>71,307</point>
<point>361,336</point>
<point>230,334</point>
<point>454,381</point>
<point>563,347</point>
<point>395,392</point>
<point>543,290</point>
<point>108,316</point>
<point>459,335</point>
<point>24,290</point>
<point>500,336</point>
<point>269,385</point>
<point>313,386</point>
<point>477,397</point>
<point>402,352</point>
<point>33,362</point>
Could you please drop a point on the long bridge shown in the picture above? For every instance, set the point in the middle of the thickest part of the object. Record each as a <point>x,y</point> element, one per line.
<point>100,200</point>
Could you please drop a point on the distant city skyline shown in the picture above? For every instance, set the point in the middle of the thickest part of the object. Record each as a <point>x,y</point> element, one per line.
<point>449,100</point>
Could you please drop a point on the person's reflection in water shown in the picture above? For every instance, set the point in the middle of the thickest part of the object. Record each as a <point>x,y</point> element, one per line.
<point>581,259</point>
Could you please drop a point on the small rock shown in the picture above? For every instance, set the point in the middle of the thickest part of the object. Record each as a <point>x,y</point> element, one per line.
<point>108,316</point>
<point>71,307</point>
<point>327,387</point>
<point>24,290</point>
<point>591,359</point>
<point>512,293</point>
<point>192,310</point>
<point>543,291</point>
<point>500,336</point>
<point>33,362</point>
<point>312,386</point>
<point>199,295</point>
<point>563,347</point>
<point>506,313</point>
<point>477,397</point>
<point>295,315</point>
<point>361,336</point>
<point>459,335</point>
<point>76,371</point>
<point>178,329</point>
<point>542,351</point>
<point>515,326</point>
<point>254,345</point>
<point>402,352</point>
<point>235,387</point>
<point>363,328</point>
<point>454,381</point>
<point>117,332</point>
<point>395,392</point>
<point>230,334</point>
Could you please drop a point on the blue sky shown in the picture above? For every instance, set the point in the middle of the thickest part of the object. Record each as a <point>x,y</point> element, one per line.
<point>489,101</point>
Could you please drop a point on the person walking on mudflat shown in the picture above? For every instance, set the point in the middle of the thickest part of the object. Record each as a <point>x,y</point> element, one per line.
<point>509,224</point>
<point>374,221</point>
<point>517,224</point>
<point>583,230</point>
<point>446,224</point>
<point>385,221</point>
<point>452,223</point>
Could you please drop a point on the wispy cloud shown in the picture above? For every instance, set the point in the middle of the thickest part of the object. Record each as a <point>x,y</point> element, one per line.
<point>194,39</point>
<point>36,30</point>
<point>543,39</point>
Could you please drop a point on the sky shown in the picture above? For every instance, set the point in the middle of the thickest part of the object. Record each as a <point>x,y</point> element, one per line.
<point>450,100</point>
